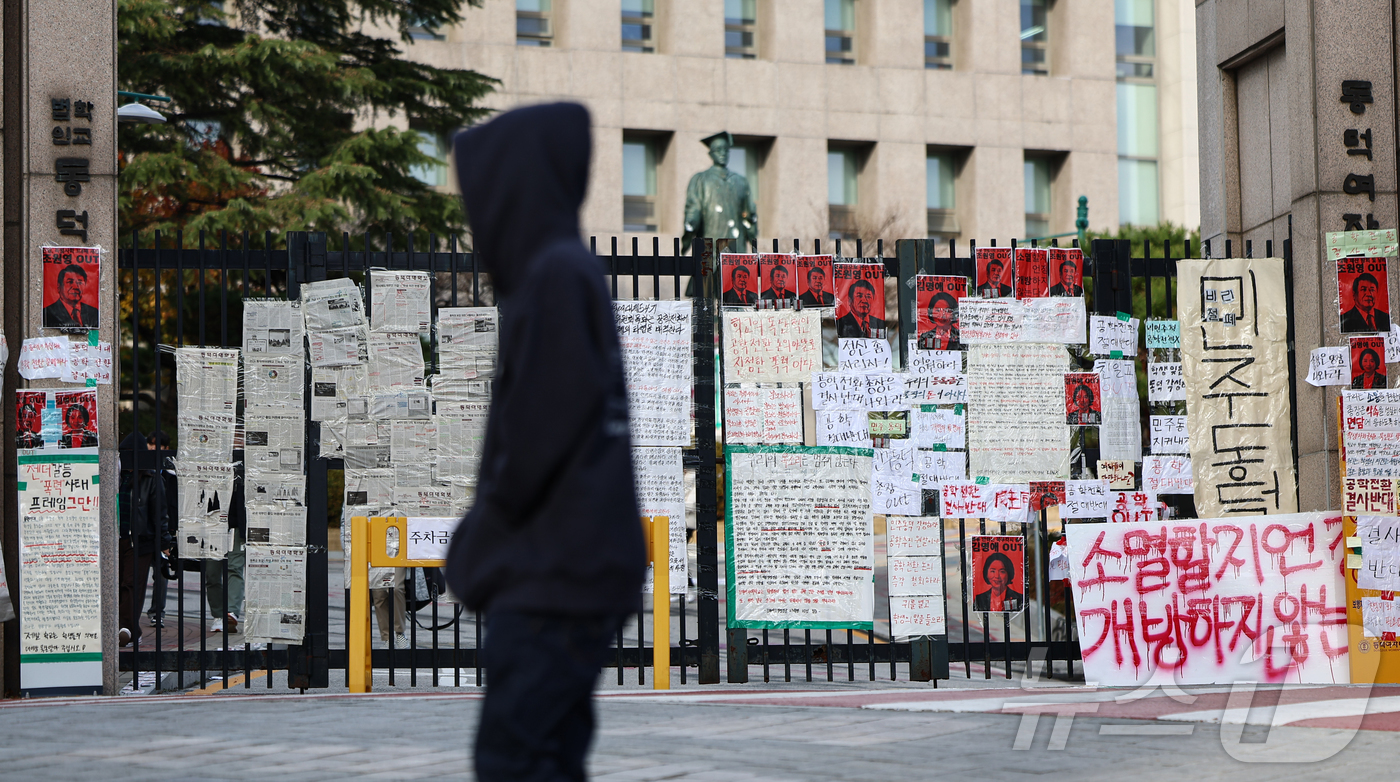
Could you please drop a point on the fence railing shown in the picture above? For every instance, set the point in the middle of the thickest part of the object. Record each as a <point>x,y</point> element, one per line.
<point>176,295</point>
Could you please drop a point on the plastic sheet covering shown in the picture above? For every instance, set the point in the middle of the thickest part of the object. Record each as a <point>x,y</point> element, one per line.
<point>273,441</point>
<point>449,389</point>
<point>338,347</point>
<point>398,301</point>
<point>276,526</point>
<point>206,380</point>
<point>332,304</point>
<point>272,327</point>
<point>401,405</point>
<point>1016,428</point>
<point>274,489</point>
<point>657,353</point>
<point>799,534</point>
<point>1237,391</point>
<point>915,569</point>
<point>205,493</point>
<point>468,339</point>
<point>274,382</point>
<point>1120,431</point>
<point>413,474</point>
<point>660,478</point>
<point>331,387</point>
<point>205,437</point>
<point>395,362</point>
<point>772,346</point>
<point>275,593</point>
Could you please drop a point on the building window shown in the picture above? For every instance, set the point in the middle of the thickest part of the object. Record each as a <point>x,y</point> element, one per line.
<point>533,23</point>
<point>938,34</point>
<point>638,18</point>
<point>434,146</point>
<point>1037,197</point>
<point>421,32</point>
<point>942,200</point>
<point>842,192</point>
<point>1139,191</point>
<point>1035,41</point>
<point>841,31</point>
<point>740,29</point>
<point>638,184</point>
<point>743,160</point>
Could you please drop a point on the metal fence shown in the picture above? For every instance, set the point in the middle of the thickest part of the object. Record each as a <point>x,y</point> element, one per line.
<point>174,295</point>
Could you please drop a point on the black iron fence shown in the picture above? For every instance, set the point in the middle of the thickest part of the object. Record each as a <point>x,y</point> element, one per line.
<point>174,295</point>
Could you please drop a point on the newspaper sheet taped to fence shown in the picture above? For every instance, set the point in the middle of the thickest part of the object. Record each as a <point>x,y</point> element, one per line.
<point>800,538</point>
<point>1234,359</point>
<point>60,577</point>
<point>275,599</point>
<point>660,480</point>
<point>1016,428</point>
<point>1206,601</point>
<point>659,360</point>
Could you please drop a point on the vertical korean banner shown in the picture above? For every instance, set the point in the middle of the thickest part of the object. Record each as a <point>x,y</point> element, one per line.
<point>59,574</point>
<point>1234,354</point>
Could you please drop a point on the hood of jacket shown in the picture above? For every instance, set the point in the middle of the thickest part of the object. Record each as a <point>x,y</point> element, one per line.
<point>523,177</point>
<point>132,442</point>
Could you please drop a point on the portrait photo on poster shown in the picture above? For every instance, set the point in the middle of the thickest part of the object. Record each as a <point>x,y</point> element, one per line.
<point>1363,295</point>
<point>79,415</point>
<point>938,310</point>
<point>1047,494</point>
<point>71,287</point>
<point>1083,399</point>
<point>998,573</point>
<point>860,300</point>
<point>1032,278</point>
<point>814,281</point>
<point>1066,267</point>
<point>777,281</point>
<point>739,278</point>
<point>1368,362</point>
<point>29,419</point>
<point>996,273</point>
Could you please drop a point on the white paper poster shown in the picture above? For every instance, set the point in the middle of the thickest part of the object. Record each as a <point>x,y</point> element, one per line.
<point>660,480</point>
<point>657,355</point>
<point>1016,429</point>
<point>772,346</point>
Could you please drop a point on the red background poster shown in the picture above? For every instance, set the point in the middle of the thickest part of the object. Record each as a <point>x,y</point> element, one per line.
<point>777,280</point>
<point>74,304</point>
<point>1059,284</point>
<point>998,260</point>
<point>1363,296</point>
<point>29,419</point>
<point>947,289</point>
<point>730,265</point>
<point>992,553</point>
<point>1045,494</point>
<point>860,279</point>
<point>814,270</point>
<point>1032,278</point>
<point>1089,413</point>
<point>1368,362</point>
<point>74,423</point>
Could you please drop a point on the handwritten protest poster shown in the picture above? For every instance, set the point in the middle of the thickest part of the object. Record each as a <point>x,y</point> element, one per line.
<point>60,579</point>
<point>863,355</point>
<point>762,416</point>
<point>964,499</point>
<point>1032,273</point>
<point>1162,334</point>
<point>1370,496</point>
<point>1234,349</point>
<point>839,391</point>
<point>1125,507</point>
<point>1119,474</point>
<point>1112,337</point>
<point>1169,433</point>
<point>1016,428</point>
<point>1380,552</point>
<point>1085,500</point>
<point>1368,243</point>
<point>772,346</point>
<point>1165,383</point>
<point>799,534</point>
<point>1329,367</point>
<point>915,566</point>
<point>935,390</point>
<point>1373,454</point>
<point>843,427</point>
<point>933,362</point>
<point>1167,475</point>
<point>660,480</point>
<point>658,361</point>
<point>1210,601</point>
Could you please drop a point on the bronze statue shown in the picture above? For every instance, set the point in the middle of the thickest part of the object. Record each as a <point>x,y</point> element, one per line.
<point>718,203</point>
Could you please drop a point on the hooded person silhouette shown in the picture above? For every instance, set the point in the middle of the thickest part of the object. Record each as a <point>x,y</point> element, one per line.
<point>552,550</point>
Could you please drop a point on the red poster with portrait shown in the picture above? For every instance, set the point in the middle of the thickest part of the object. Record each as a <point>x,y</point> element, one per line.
<point>938,296</point>
<point>72,288</point>
<point>1363,296</point>
<point>1032,275</point>
<point>1083,402</point>
<point>78,412</point>
<point>777,281</point>
<point>996,273</point>
<point>860,300</point>
<point>1047,494</point>
<point>998,573</point>
<point>29,419</point>
<point>1368,362</point>
<point>738,280</point>
<point>1066,271</point>
<point>815,286</point>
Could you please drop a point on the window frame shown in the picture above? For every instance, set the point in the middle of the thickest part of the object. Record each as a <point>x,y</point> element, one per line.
<point>847,36</point>
<point>647,22</point>
<point>942,221</point>
<point>641,204</point>
<point>1040,42</point>
<point>1046,217</point>
<point>742,27</point>
<point>542,40</point>
<point>942,62</point>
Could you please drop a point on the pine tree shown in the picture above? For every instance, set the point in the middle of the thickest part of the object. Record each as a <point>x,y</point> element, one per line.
<point>284,116</point>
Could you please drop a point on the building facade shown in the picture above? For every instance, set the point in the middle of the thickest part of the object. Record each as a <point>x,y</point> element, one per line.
<point>861,118</point>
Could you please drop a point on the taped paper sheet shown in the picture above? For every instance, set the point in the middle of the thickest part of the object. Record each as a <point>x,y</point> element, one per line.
<point>658,358</point>
<point>338,347</point>
<point>395,362</point>
<point>44,357</point>
<point>468,341</point>
<point>1329,367</point>
<point>205,437</point>
<point>275,593</point>
<point>1085,500</point>
<point>1234,353</point>
<point>332,304</point>
<point>206,491</point>
<point>1167,474</point>
<point>206,380</point>
<point>894,487</point>
<point>800,537</point>
<point>398,301</point>
<point>1120,431</point>
<point>933,362</point>
<point>935,390</point>
<point>1109,335</point>
<point>1165,383</point>
<point>276,527</point>
<point>273,441</point>
<point>762,415</point>
<point>863,355</point>
<point>661,492</point>
<point>1162,334</point>
<point>333,387</point>
<point>274,382</point>
<point>430,536</point>
<point>1373,454</point>
<point>1016,428</point>
<point>1380,553</point>
<point>273,327</point>
<point>915,569</point>
<point>1134,583</point>
<point>772,346</point>
<point>843,427</point>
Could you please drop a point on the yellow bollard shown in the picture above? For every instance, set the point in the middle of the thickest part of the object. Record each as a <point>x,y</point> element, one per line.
<point>357,630</point>
<point>660,540</point>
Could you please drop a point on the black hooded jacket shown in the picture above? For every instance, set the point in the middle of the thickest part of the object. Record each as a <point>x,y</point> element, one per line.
<point>555,526</point>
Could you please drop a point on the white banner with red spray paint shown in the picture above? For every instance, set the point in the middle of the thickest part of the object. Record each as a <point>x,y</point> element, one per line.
<point>1204,601</point>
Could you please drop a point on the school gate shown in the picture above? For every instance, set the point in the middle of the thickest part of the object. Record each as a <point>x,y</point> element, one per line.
<point>173,292</point>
